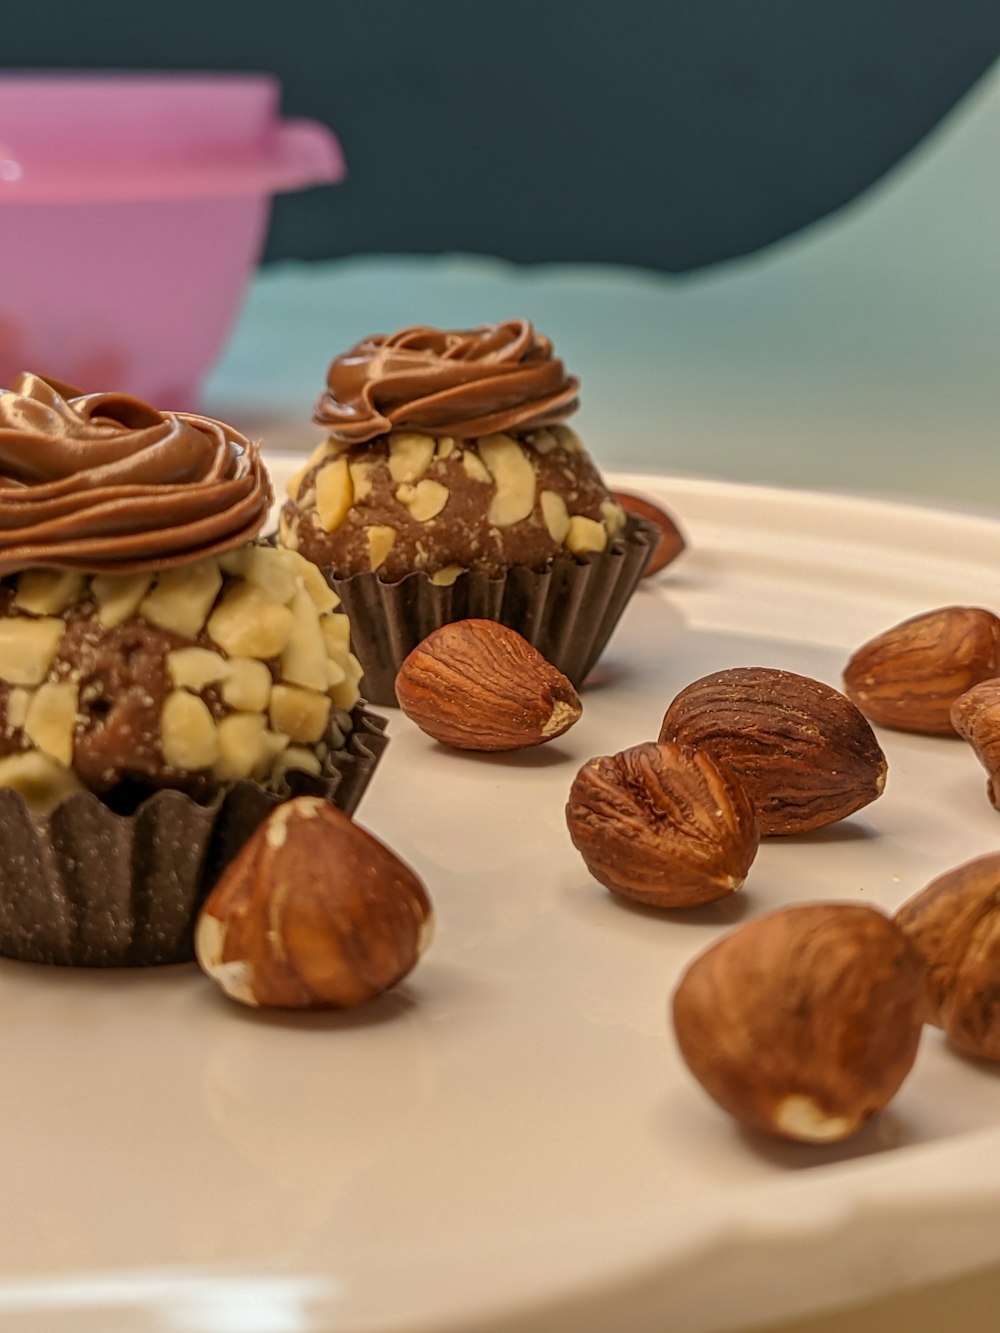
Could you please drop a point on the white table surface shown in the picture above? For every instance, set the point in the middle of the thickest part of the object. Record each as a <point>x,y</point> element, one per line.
<point>860,356</point>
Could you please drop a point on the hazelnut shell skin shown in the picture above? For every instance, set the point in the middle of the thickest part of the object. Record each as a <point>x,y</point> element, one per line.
<point>805,753</point>
<point>908,677</point>
<point>663,825</point>
<point>954,925</point>
<point>975,716</point>
<point>477,685</point>
<point>313,913</point>
<point>803,1023</point>
<point>671,541</point>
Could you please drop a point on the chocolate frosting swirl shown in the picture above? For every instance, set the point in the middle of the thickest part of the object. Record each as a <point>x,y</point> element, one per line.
<point>106,484</point>
<point>459,382</point>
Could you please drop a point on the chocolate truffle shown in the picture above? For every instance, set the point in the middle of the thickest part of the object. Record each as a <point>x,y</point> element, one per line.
<point>143,639</point>
<point>447,453</point>
<point>166,678</point>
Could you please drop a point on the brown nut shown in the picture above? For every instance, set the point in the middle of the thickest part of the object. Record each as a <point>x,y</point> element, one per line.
<point>954,925</point>
<point>313,913</point>
<point>804,753</point>
<point>975,715</point>
<point>663,824</point>
<point>671,540</point>
<point>909,676</point>
<point>476,685</point>
<point>805,1022</point>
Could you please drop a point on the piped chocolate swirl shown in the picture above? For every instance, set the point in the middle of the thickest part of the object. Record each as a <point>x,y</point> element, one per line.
<point>107,484</point>
<point>462,383</point>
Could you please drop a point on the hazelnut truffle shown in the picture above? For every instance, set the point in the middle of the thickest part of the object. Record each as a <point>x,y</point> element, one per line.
<point>447,453</point>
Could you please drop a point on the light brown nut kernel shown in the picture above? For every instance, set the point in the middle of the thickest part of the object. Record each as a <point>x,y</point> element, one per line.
<point>909,676</point>
<point>269,568</point>
<point>298,713</point>
<point>243,752</point>
<point>183,597</point>
<point>304,659</point>
<point>803,751</point>
<point>189,739</point>
<point>475,468</point>
<point>118,596</point>
<point>18,703</point>
<point>40,779</point>
<point>381,540</point>
<point>476,685</point>
<point>613,517</point>
<point>954,925</point>
<point>425,500</point>
<point>247,685</point>
<point>663,825</point>
<point>247,623</point>
<point>47,592</point>
<point>671,540</point>
<point>410,455</point>
<point>328,448</point>
<point>334,494</point>
<point>298,758</point>
<point>346,693</point>
<point>310,578</point>
<point>361,479</point>
<point>514,474</point>
<point>313,913</point>
<point>337,636</point>
<point>51,720</point>
<point>555,515</point>
<point>194,668</point>
<point>585,535</point>
<point>446,575</point>
<point>805,1022</point>
<point>28,648</point>
<point>288,531</point>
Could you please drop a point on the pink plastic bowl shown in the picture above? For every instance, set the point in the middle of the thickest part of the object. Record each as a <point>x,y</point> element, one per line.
<point>133,210</point>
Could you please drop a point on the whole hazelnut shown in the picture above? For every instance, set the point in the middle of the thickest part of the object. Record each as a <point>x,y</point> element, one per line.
<point>804,1022</point>
<point>804,752</point>
<point>312,913</point>
<point>975,715</point>
<point>954,925</point>
<point>909,676</point>
<point>670,542</point>
<point>663,824</point>
<point>477,685</point>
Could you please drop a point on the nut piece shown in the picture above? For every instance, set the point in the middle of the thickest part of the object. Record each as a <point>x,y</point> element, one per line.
<point>247,623</point>
<point>954,925</point>
<point>671,540</point>
<point>313,913</point>
<point>28,648</point>
<point>425,500</point>
<point>805,754</point>
<point>585,535</point>
<point>909,677</point>
<point>183,597</point>
<point>476,685</point>
<point>334,494</point>
<point>118,596</point>
<point>47,592</point>
<point>663,825</point>
<point>975,715</point>
<point>514,474</point>
<point>188,736</point>
<point>51,719</point>
<point>805,1022</point>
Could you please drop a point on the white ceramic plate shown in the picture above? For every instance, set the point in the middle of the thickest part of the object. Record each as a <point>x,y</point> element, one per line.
<point>509,1140</point>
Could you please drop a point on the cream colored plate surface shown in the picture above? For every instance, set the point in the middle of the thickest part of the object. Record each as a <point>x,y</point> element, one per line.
<point>509,1140</point>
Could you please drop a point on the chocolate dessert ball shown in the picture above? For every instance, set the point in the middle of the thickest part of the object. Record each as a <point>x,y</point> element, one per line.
<point>145,642</point>
<point>446,454</point>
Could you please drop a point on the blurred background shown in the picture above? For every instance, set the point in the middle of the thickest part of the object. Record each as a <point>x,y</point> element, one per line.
<point>671,134</point>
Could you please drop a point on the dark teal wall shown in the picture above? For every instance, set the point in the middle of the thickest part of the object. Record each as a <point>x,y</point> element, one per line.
<point>669,134</point>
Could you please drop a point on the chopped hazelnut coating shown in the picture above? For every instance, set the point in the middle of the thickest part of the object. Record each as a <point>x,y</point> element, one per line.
<point>170,680</point>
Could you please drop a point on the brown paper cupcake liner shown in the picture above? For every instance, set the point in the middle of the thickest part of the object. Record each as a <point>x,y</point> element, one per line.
<point>88,887</point>
<point>568,610</point>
